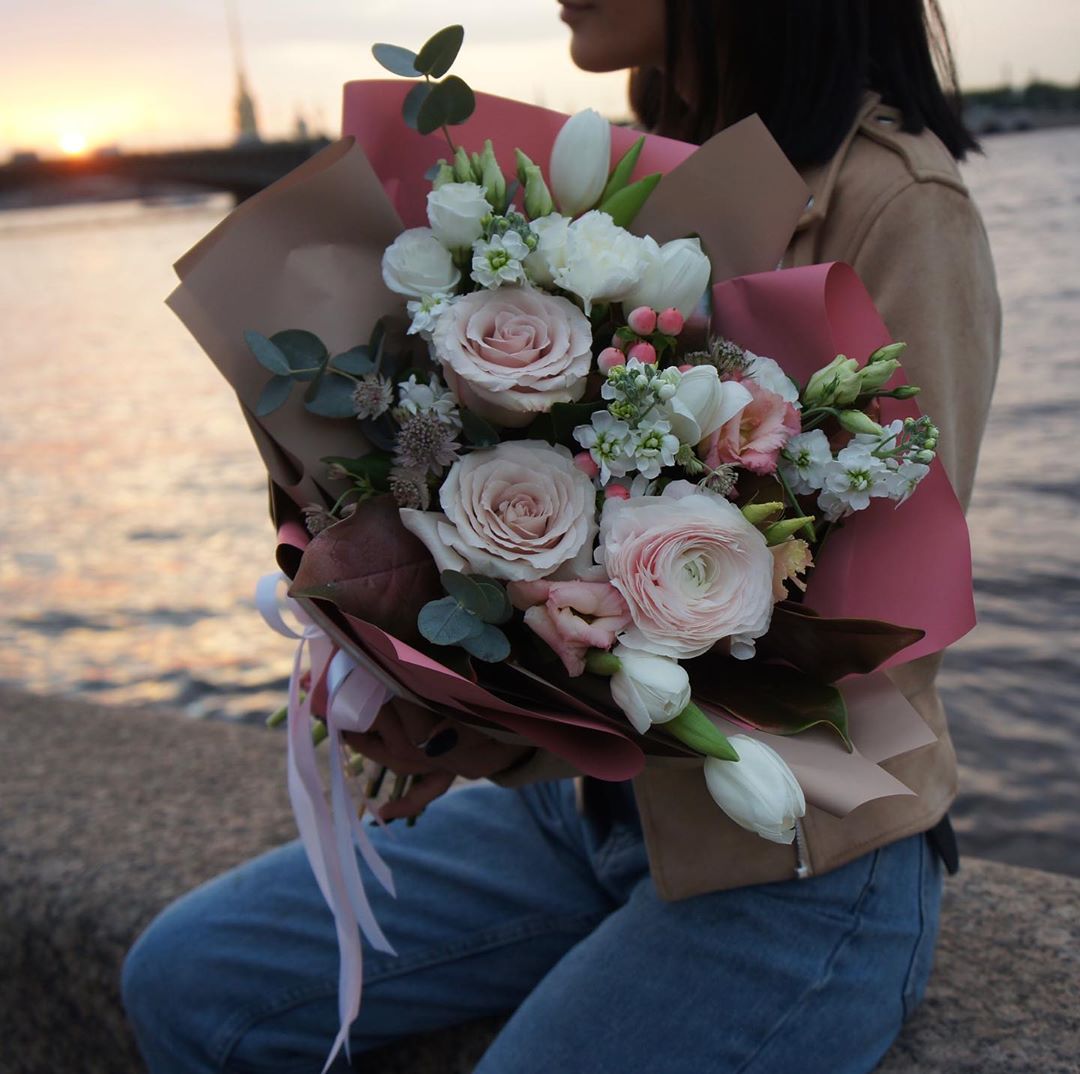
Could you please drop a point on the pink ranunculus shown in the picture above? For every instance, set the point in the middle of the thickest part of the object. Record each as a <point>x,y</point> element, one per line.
<point>692,569</point>
<point>512,353</point>
<point>518,511</point>
<point>572,617</point>
<point>755,437</point>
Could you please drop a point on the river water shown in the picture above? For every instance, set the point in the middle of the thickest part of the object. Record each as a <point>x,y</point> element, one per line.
<point>133,520</point>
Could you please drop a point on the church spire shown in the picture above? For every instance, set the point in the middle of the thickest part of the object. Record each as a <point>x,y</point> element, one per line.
<point>246,125</point>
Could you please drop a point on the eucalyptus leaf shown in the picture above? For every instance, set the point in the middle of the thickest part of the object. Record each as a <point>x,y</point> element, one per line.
<point>625,204</point>
<point>267,353</point>
<point>304,351</point>
<point>414,99</point>
<point>275,392</point>
<point>333,398</point>
<point>446,622</point>
<point>490,645</point>
<point>397,60</point>
<point>484,597</point>
<point>460,99</point>
<point>477,431</point>
<point>431,114</point>
<point>356,360</point>
<point>438,53</point>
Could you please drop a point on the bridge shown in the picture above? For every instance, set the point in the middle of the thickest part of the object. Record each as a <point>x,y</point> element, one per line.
<point>240,170</point>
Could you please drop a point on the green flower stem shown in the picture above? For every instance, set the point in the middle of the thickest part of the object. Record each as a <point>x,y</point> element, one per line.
<point>807,527</point>
<point>319,733</point>
<point>694,729</point>
<point>600,662</point>
<point>276,719</point>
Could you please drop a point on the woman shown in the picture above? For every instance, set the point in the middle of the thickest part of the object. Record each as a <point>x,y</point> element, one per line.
<point>641,930</point>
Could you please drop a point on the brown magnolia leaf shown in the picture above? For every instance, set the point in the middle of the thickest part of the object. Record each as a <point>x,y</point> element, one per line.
<point>830,649</point>
<point>371,567</point>
<point>770,697</point>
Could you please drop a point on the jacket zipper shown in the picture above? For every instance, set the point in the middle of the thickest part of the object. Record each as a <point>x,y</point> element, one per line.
<point>802,868</point>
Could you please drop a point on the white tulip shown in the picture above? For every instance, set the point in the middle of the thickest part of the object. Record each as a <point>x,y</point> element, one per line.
<point>456,212</point>
<point>758,791</point>
<point>601,261</point>
<point>649,689</point>
<point>676,274</point>
<point>417,264</point>
<point>580,161</point>
<point>702,403</point>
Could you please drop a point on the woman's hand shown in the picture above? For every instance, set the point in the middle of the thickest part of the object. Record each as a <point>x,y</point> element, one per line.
<point>434,750</point>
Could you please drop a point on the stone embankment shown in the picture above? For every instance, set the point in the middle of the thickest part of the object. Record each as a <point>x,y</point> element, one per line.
<point>107,814</point>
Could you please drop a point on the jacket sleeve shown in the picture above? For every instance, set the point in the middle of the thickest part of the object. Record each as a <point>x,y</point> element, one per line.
<point>926,261</point>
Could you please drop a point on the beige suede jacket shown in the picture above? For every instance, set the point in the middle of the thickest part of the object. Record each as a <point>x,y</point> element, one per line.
<point>894,207</point>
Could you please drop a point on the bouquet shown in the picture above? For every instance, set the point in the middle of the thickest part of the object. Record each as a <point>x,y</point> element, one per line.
<point>564,461</point>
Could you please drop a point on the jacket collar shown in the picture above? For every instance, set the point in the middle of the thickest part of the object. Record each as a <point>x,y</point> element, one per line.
<point>821,178</point>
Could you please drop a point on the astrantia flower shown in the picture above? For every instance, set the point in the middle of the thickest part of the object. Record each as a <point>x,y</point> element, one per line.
<point>804,460</point>
<point>499,260</point>
<point>608,441</point>
<point>372,396</point>
<point>317,518</point>
<point>426,444</point>
<point>410,488</point>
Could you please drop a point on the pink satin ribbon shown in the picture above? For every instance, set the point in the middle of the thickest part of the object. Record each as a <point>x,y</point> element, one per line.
<point>329,833</point>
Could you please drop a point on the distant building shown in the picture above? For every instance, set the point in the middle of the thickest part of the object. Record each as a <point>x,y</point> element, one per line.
<point>247,126</point>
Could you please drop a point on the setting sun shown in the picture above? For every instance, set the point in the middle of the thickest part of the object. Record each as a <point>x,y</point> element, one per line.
<point>73,144</point>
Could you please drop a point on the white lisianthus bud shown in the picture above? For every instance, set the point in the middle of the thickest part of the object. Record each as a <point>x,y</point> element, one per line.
<point>836,384</point>
<point>456,212</point>
<point>676,274</point>
<point>758,791</point>
<point>549,256</point>
<point>702,403</point>
<point>417,264</point>
<point>601,260</point>
<point>649,689</point>
<point>580,161</point>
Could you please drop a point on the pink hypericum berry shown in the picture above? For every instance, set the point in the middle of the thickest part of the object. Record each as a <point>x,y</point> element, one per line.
<point>642,320</point>
<point>670,322</point>
<point>586,464</point>
<point>616,492</point>
<point>645,353</point>
<point>609,358</point>
<point>685,368</point>
<point>618,342</point>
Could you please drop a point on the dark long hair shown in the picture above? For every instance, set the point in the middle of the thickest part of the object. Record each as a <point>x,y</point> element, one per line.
<point>803,66</point>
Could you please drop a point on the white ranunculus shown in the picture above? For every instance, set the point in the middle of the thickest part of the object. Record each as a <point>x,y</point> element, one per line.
<point>550,253</point>
<point>758,791</point>
<point>676,274</point>
<point>417,264</point>
<point>702,403</point>
<point>580,160</point>
<point>456,211</point>
<point>649,689</point>
<point>771,377</point>
<point>601,261</point>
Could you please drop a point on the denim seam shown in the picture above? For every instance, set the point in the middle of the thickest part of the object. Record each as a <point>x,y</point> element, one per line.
<point>827,970</point>
<point>229,1034</point>
<point>908,994</point>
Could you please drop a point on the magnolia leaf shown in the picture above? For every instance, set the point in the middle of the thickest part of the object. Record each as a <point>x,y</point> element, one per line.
<point>267,353</point>
<point>438,53</point>
<point>397,60</point>
<point>333,398</point>
<point>771,697</point>
<point>622,171</point>
<point>273,395</point>
<point>446,622</point>
<point>484,597</point>
<point>830,649</point>
<point>410,108</point>
<point>304,351</point>
<point>371,567</point>
<point>625,204</point>
<point>477,431</point>
<point>490,645</point>
<point>356,360</point>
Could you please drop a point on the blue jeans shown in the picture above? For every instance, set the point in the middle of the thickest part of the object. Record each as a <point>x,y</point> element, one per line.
<point>510,901</point>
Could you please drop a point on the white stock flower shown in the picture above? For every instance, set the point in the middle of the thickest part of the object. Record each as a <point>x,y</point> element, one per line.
<point>500,260</point>
<point>550,253</point>
<point>649,689</point>
<point>456,212</point>
<point>601,260</point>
<point>424,313</point>
<point>851,479</point>
<point>580,160</point>
<point>758,791</point>
<point>653,447</point>
<point>771,377</point>
<point>417,264</point>
<point>675,274</point>
<point>804,461</point>
<point>903,479</point>
<point>416,398</point>
<point>702,403</point>
<point>608,442</point>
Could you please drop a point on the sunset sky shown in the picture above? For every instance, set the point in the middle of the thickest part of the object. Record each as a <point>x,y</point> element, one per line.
<point>156,73</point>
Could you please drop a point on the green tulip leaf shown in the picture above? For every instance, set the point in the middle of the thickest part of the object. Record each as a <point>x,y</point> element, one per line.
<point>397,60</point>
<point>625,204</point>
<point>438,53</point>
<point>273,395</point>
<point>622,171</point>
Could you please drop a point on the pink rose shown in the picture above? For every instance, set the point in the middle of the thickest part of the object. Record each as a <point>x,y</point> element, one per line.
<point>691,568</point>
<point>572,617</point>
<point>518,511</point>
<point>755,436</point>
<point>511,353</point>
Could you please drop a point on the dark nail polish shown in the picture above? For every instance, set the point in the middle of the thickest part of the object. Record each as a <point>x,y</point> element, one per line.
<point>441,743</point>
